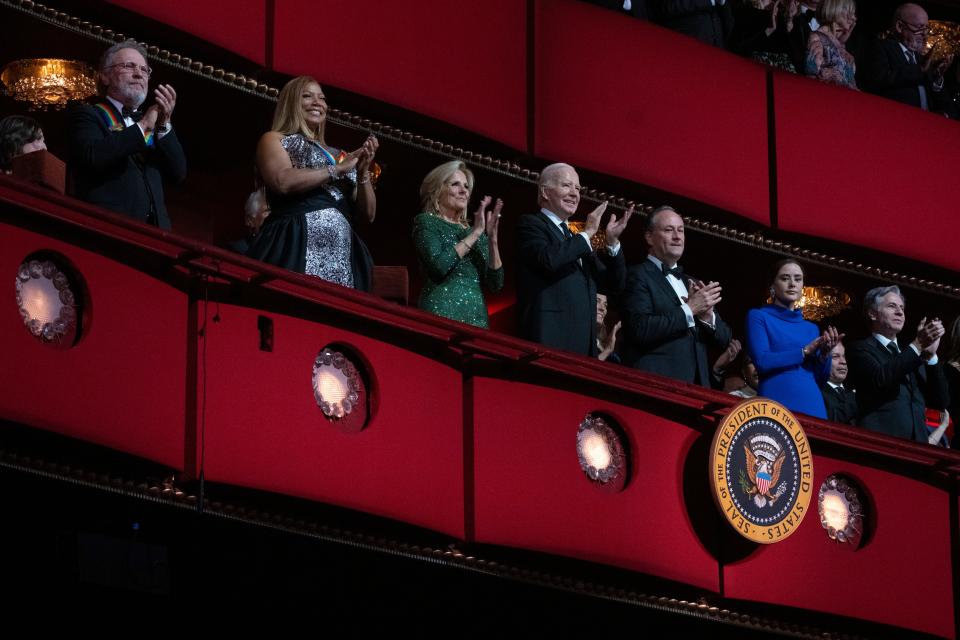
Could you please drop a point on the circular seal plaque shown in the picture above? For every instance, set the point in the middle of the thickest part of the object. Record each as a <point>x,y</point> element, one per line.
<point>761,470</point>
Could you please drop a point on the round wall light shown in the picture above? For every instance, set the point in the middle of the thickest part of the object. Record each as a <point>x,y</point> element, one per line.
<point>601,454</point>
<point>339,390</point>
<point>49,296</point>
<point>840,504</point>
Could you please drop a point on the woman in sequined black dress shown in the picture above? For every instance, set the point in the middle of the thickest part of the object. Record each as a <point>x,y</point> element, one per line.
<point>313,189</point>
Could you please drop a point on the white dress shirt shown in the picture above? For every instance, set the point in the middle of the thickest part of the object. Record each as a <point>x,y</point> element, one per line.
<point>561,223</point>
<point>884,341</point>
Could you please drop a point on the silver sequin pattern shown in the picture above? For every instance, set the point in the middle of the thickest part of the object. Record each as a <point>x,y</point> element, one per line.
<point>329,235</point>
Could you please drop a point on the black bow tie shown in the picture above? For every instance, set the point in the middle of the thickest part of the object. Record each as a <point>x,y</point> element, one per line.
<point>677,271</point>
<point>133,114</point>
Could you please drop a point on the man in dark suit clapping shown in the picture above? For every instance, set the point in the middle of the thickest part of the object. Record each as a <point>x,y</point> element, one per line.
<point>895,384</point>
<point>558,272</point>
<point>895,67</point>
<point>669,318</point>
<point>119,155</point>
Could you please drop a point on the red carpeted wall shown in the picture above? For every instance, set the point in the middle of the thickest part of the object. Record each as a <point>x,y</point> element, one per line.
<point>866,171</point>
<point>634,100</point>
<point>124,384</point>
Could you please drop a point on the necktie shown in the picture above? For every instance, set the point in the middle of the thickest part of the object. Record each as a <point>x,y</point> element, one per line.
<point>566,230</point>
<point>893,348</point>
<point>677,271</point>
<point>133,114</point>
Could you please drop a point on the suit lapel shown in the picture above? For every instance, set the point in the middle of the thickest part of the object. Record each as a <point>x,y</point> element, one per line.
<point>657,276</point>
<point>557,233</point>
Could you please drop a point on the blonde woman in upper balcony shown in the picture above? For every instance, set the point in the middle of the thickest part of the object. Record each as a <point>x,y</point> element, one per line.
<point>313,189</point>
<point>827,57</point>
<point>456,255</point>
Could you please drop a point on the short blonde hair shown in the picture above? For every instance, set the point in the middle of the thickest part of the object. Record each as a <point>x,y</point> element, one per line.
<point>830,11</point>
<point>288,115</point>
<point>433,184</point>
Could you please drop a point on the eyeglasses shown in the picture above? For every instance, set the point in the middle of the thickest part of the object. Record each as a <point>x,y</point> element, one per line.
<point>132,67</point>
<point>916,29</point>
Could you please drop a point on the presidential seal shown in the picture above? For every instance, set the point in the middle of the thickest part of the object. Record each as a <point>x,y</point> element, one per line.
<point>761,470</point>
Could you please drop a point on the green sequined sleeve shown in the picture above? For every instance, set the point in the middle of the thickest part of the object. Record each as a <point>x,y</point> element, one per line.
<point>437,254</point>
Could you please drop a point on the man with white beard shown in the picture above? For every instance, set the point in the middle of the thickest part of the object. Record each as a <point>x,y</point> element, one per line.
<point>119,154</point>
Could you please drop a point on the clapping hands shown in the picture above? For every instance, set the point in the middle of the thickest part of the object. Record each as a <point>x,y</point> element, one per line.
<point>824,343</point>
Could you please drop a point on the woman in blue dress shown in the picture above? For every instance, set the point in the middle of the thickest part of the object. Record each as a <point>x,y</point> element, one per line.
<point>789,352</point>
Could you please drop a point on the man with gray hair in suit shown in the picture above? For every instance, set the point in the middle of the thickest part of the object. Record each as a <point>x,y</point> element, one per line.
<point>558,272</point>
<point>896,383</point>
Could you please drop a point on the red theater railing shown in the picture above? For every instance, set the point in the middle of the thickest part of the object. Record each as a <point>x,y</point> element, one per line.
<point>472,433</point>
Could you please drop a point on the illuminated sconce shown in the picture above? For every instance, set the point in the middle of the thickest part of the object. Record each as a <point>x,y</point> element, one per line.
<point>601,453</point>
<point>339,390</point>
<point>840,504</point>
<point>49,300</point>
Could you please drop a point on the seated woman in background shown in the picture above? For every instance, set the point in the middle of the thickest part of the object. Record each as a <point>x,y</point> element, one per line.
<point>19,135</point>
<point>455,256</point>
<point>827,58</point>
<point>312,189</point>
<point>789,353</point>
<point>606,336</point>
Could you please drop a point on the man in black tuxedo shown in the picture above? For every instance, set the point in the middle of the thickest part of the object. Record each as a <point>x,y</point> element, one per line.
<point>840,401</point>
<point>118,154</point>
<point>669,318</point>
<point>709,21</point>
<point>894,385</point>
<point>894,67</point>
<point>635,8</point>
<point>558,272</point>
<point>801,26</point>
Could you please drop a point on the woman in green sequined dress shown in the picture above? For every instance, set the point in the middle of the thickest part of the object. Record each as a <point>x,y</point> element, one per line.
<point>456,257</point>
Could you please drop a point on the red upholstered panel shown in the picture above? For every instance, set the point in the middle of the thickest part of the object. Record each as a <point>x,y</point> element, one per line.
<point>123,385</point>
<point>462,62</point>
<point>264,429</point>
<point>867,171</point>
<point>235,26</point>
<point>901,577</point>
<point>637,101</point>
<point>531,493</point>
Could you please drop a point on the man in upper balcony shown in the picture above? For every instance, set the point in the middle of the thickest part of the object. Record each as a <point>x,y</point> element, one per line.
<point>709,21</point>
<point>669,318</point>
<point>895,67</point>
<point>895,384</point>
<point>558,272</point>
<point>119,153</point>
<point>800,20</point>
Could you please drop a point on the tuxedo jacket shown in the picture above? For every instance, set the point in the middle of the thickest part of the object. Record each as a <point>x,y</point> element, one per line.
<point>117,170</point>
<point>841,407</point>
<point>797,39</point>
<point>697,18</point>
<point>557,283</point>
<point>894,389</point>
<point>885,71</point>
<point>656,337</point>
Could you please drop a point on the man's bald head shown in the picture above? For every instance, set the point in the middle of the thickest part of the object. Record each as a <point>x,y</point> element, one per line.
<point>911,24</point>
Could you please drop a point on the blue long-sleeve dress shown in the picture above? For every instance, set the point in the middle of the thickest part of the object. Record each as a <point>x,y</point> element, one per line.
<point>775,339</point>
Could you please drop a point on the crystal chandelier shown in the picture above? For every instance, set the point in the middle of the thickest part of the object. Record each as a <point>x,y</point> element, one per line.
<point>48,82</point>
